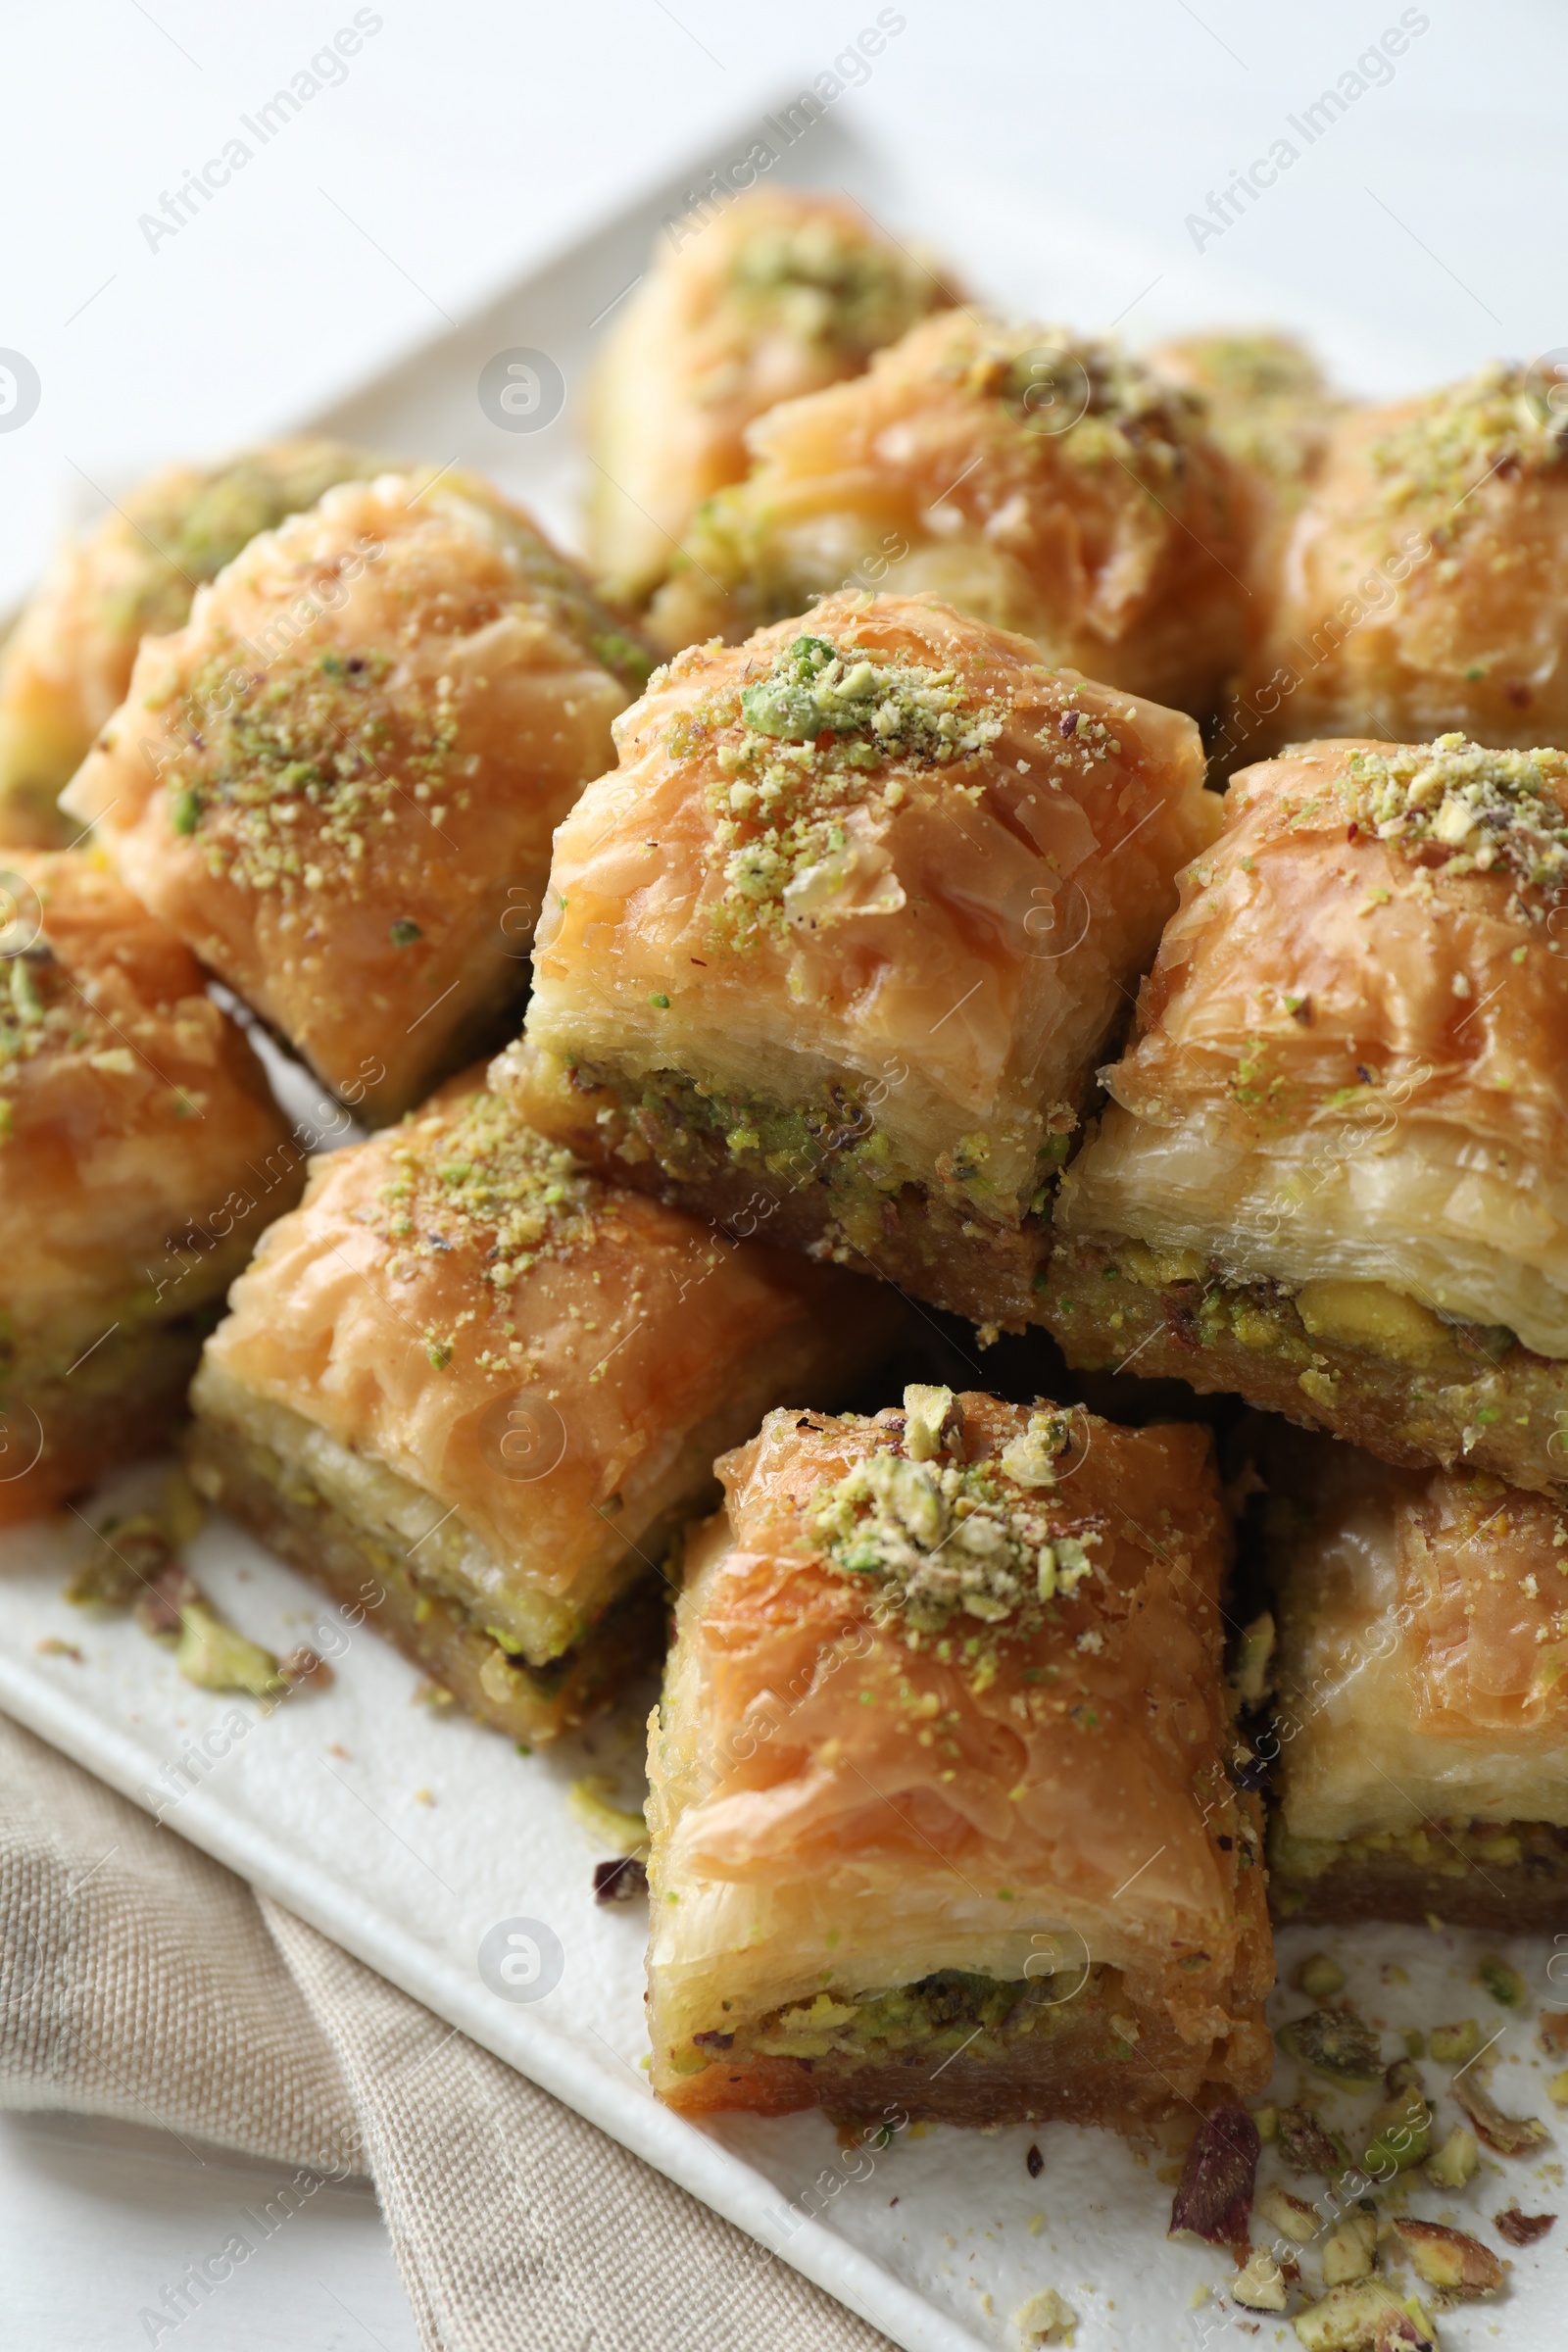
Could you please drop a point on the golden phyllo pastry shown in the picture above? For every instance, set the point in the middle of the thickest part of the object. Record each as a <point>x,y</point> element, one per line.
<point>1037,481</point>
<point>338,782</point>
<point>785,293</point>
<point>140,1156</point>
<point>831,956</point>
<point>1268,401</point>
<point>1334,1175</point>
<point>1421,1735</point>
<point>472,1388</point>
<point>1424,585</point>
<point>68,664</point>
<point>942,1824</point>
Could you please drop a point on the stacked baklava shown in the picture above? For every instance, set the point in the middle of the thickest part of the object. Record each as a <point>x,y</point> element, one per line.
<point>889,940</point>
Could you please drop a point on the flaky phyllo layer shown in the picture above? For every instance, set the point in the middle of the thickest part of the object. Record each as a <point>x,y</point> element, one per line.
<point>1349,1062</point>
<point>1423,1659</point>
<point>943,1682</point>
<point>478,1354</point>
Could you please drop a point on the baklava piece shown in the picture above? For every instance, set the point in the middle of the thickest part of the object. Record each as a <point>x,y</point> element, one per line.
<point>784,294</point>
<point>66,665</point>
<point>831,956</point>
<point>1334,1175</point>
<point>942,1824</point>
<point>1426,579</point>
<point>1268,402</point>
<point>471,1390</point>
<point>338,782</point>
<point>1038,482</point>
<point>140,1156</point>
<point>1421,1733</point>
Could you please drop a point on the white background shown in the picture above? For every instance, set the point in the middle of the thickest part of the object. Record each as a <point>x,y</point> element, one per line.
<point>471,140</point>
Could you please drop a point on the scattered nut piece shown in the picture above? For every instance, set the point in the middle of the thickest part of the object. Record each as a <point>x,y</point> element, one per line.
<point>1552,2028</point>
<point>1320,1977</point>
<point>1267,2121</point>
<point>1335,2042</point>
<point>1260,2285</point>
<point>1304,2145</point>
<point>1504,1983</point>
<point>1522,2228</point>
<point>1045,2318</point>
<point>51,1646</point>
<point>1557,2088</point>
<point>1365,2316</point>
<point>621,1881</point>
<point>1452,2045</point>
<point>306,1666</point>
<point>1449,2259</point>
<point>1457,2160</point>
<point>1348,2251</point>
<point>1401,2127</point>
<point>1509,2134</point>
<point>1213,2198</point>
<point>1292,2217</point>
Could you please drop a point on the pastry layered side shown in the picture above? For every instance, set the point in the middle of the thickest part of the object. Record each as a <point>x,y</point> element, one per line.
<point>831,956</point>
<point>67,665</point>
<point>1332,1173</point>
<point>140,1157</point>
<point>782,294</point>
<point>1424,587</point>
<point>1037,481</point>
<point>339,780</point>
<point>1421,1730</point>
<point>941,1818</point>
<point>474,1390</point>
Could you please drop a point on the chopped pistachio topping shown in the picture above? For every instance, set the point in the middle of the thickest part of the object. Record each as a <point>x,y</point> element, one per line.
<point>287,772</point>
<point>1031,1460</point>
<point>1335,2042</point>
<point>815,688</point>
<point>477,1180</point>
<point>185,532</point>
<point>1498,421</point>
<point>824,284</point>
<point>1480,809</point>
<point>943,1536</point>
<point>818,737</point>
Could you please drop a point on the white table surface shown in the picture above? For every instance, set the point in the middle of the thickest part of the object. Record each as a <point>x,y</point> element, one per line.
<point>470,139</point>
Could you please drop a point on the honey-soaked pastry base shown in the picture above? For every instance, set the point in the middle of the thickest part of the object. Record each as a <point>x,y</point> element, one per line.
<point>957,2047</point>
<point>1510,1877</point>
<point>803,1177</point>
<point>1483,1400</point>
<point>534,1703</point>
<point>59,1435</point>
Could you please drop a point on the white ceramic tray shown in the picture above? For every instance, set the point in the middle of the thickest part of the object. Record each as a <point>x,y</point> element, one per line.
<point>421,1842</point>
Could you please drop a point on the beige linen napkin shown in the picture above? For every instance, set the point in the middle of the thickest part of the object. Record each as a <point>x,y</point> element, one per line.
<point>140,1979</point>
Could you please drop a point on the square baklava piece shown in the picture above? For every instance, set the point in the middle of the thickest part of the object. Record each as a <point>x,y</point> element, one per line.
<point>140,1156</point>
<point>471,1389</point>
<point>1334,1174</point>
<point>338,781</point>
<point>787,291</point>
<point>1420,1744</point>
<point>941,1818</point>
<point>831,955</point>
<point>1037,479</point>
